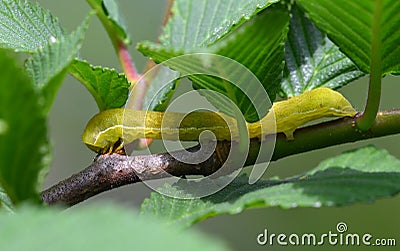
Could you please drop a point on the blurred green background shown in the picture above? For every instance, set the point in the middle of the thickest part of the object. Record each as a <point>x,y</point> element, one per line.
<point>74,107</point>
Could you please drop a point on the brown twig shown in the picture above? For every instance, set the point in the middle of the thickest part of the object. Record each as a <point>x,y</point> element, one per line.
<point>111,171</point>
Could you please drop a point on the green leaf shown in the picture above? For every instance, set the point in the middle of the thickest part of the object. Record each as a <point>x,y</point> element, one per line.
<point>259,46</point>
<point>97,228</point>
<point>111,18</point>
<point>193,64</point>
<point>312,60</point>
<point>199,23</point>
<point>3,127</point>
<point>26,27</point>
<point>109,88</point>
<point>24,149</point>
<point>371,159</point>
<point>255,47</point>
<point>341,180</point>
<point>349,25</point>
<point>5,202</point>
<point>196,25</point>
<point>161,88</point>
<point>48,66</point>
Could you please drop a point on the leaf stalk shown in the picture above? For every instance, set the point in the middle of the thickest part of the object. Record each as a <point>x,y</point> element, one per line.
<point>374,89</point>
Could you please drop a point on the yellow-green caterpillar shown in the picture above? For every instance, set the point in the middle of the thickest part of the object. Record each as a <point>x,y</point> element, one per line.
<point>109,130</point>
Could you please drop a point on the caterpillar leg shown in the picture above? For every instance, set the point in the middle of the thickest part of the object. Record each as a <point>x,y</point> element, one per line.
<point>118,147</point>
<point>289,135</point>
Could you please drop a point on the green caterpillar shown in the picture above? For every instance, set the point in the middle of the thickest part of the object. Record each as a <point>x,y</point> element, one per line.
<point>109,130</point>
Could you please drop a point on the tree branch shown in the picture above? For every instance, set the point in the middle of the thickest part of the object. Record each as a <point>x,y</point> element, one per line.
<point>111,171</point>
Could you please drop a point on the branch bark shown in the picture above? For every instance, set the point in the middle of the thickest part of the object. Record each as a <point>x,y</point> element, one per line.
<point>111,171</point>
